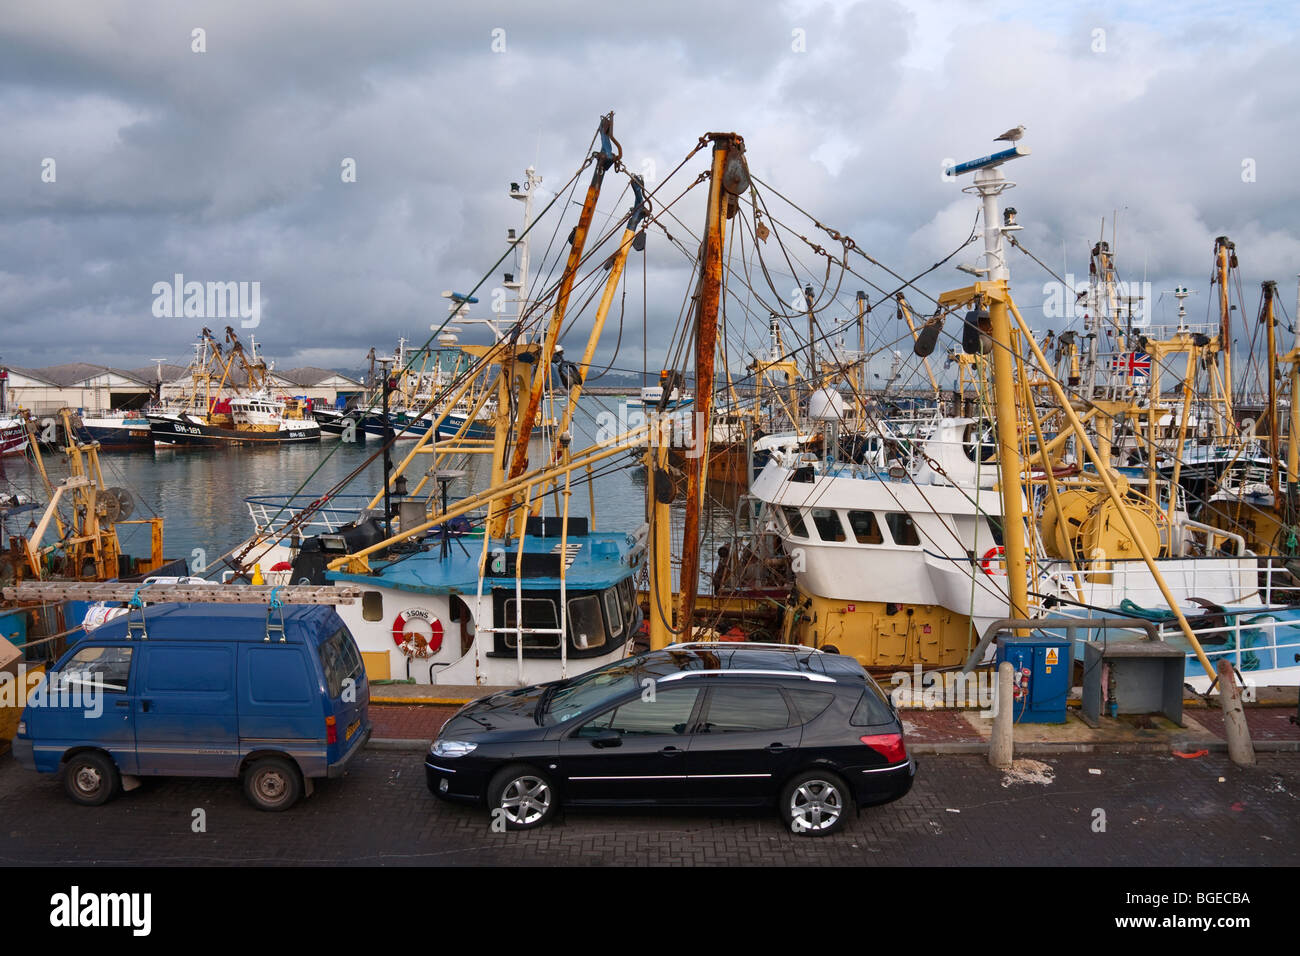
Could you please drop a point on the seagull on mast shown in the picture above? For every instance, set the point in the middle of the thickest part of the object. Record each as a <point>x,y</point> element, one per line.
<point>1011,135</point>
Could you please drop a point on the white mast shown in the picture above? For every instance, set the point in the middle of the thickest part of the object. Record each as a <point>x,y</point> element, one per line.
<point>518,283</point>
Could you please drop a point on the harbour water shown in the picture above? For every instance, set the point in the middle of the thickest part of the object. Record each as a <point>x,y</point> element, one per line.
<point>201,491</point>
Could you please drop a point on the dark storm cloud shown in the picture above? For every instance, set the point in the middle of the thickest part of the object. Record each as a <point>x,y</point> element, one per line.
<point>225,165</point>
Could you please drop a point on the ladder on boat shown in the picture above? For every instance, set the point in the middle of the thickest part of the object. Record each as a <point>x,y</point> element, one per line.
<point>269,594</point>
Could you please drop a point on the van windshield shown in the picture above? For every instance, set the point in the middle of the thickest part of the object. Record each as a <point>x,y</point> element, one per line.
<point>338,653</point>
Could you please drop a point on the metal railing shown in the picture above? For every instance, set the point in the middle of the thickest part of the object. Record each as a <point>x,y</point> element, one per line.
<point>274,513</point>
<point>1192,576</point>
<point>1268,647</point>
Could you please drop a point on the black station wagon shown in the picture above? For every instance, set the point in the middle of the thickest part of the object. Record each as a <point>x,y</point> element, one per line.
<point>704,724</point>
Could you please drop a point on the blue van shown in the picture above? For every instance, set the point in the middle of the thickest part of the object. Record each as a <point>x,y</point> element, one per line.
<point>275,697</point>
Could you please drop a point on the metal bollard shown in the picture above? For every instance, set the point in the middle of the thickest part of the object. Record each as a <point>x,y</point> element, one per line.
<point>1240,750</point>
<point>1000,743</point>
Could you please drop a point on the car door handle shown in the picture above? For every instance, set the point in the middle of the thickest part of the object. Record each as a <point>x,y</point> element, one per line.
<point>777,748</point>
<point>144,706</point>
<point>671,751</point>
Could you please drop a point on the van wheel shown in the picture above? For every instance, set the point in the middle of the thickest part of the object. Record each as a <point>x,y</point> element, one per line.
<point>521,797</point>
<point>815,803</point>
<point>272,783</point>
<point>91,779</point>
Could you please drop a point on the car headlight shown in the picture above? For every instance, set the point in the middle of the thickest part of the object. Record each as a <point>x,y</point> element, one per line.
<point>452,748</point>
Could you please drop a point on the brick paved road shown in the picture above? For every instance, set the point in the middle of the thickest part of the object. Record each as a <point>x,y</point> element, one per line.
<point>1160,810</point>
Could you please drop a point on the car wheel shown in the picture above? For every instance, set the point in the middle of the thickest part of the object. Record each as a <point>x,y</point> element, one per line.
<point>272,783</point>
<point>521,797</point>
<point>815,803</point>
<point>91,779</point>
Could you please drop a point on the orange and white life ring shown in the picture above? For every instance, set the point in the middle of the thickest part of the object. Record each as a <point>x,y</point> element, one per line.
<point>416,643</point>
<point>996,554</point>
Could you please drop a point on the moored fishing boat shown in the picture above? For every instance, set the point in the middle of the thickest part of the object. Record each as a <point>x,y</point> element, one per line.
<point>483,588</point>
<point>129,431</point>
<point>915,559</point>
<point>209,417</point>
<point>14,436</point>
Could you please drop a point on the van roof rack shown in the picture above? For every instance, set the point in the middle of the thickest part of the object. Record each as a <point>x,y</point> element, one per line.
<point>141,625</point>
<point>275,606</point>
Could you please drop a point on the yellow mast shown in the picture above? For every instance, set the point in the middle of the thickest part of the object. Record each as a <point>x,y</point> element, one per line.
<point>519,460</point>
<point>1269,289</point>
<point>1293,433</point>
<point>990,183</point>
<point>1225,255</point>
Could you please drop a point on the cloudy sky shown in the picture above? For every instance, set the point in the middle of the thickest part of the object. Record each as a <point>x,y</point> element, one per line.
<point>226,163</point>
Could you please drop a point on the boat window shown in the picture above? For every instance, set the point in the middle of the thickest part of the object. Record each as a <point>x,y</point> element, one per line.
<point>795,521</point>
<point>586,629</point>
<point>372,606</point>
<point>625,595</point>
<point>538,613</point>
<point>828,524</point>
<point>865,527</point>
<point>613,612</point>
<point>903,529</point>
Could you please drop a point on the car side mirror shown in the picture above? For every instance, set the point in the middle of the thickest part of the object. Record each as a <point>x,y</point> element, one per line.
<point>607,738</point>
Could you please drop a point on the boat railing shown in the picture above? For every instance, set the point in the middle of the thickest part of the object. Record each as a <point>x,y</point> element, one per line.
<point>1245,577</point>
<point>1209,539</point>
<point>273,513</point>
<point>1164,332</point>
<point>1255,640</point>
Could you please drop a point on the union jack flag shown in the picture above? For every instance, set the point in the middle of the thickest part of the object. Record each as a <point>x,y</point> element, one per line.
<point>1132,364</point>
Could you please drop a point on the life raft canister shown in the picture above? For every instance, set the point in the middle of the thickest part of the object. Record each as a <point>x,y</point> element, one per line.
<point>403,640</point>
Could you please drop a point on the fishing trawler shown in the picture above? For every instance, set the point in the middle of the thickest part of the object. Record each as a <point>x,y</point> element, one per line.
<point>13,436</point>
<point>125,431</point>
<point>13,428</point>
<point>483,588</point>
<point>208,417</point>
<point>666,396</point>
<point>913,559</point>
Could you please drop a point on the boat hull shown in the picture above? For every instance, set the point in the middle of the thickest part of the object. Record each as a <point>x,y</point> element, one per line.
<point>189,431</point>
<point>124,435</point>
<point>336,424</point>
<point>13,437</point>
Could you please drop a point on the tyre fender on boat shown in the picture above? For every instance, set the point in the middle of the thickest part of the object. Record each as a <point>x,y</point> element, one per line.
<point>416,643</point>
